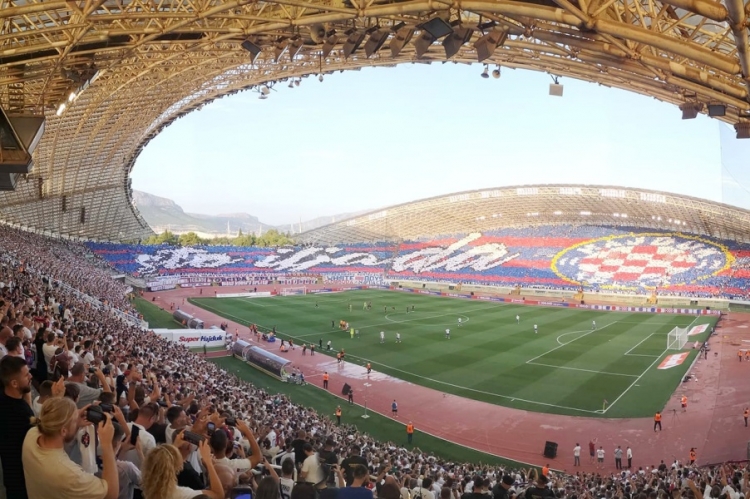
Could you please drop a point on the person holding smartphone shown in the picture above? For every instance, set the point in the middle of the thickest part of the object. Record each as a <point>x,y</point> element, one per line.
<point>163,464</point>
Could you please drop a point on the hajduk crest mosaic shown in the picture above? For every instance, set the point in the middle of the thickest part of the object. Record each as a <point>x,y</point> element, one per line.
<point>641,260</point>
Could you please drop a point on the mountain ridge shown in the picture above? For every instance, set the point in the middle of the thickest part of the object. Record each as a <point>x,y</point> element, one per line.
<point>165,214</point>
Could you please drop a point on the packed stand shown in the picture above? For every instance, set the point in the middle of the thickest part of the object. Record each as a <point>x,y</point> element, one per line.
<point>93,407</point>
<point>607,259</point>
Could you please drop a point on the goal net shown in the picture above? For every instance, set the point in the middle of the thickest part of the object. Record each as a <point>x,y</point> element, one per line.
<point>300,290</point>
<point>677,338</point>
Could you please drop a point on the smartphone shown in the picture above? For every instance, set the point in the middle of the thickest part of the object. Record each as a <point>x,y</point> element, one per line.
<point>211,427</point>
<point>192,438</point>
<point>134,432</point>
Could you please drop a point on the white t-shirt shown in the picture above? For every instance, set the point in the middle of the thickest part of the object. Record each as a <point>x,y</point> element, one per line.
<point>312,467</point>
<point>238,465</point>
<point>577,451</point>
<point>51,473</point>
<point>147,443</point>
<point>600,453</point>
<point>49,352</point>
<point>286,485</point>
<point>184,493</point>
<point>86,438</point>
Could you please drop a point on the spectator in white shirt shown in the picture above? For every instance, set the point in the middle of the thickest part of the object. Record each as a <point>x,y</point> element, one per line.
<point>147,416</point>
<point>311,471</point>
<point>49,472</point>
<point>163,463</point>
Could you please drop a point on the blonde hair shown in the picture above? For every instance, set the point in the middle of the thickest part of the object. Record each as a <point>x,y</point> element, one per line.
<point>160,470</point>
<point>57,412</point>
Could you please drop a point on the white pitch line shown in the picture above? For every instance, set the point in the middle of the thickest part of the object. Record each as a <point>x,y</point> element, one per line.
<point>642,374</point>
<point>511,398</point>
<point>571,341</point>
<point>636,345</point>
<point>580,369</point>
<point>635,381</point>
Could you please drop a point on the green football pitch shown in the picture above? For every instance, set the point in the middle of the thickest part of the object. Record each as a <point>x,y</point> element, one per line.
<point>566,368</point>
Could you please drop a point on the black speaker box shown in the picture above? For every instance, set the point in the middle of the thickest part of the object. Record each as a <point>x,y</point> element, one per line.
<point>550,450</point>
<point>346,389</point>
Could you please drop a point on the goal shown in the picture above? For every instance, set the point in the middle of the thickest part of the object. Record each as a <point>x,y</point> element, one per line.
<point>677,338</point>
<point>300,290</point>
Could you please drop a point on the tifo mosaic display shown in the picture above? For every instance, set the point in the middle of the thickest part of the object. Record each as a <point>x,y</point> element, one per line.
<point>566,257</point>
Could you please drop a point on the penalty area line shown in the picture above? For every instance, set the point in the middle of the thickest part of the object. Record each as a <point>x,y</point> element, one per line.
<point>474,390</point>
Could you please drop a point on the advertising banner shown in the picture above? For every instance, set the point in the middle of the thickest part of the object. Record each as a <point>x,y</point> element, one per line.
<point>194,338</point>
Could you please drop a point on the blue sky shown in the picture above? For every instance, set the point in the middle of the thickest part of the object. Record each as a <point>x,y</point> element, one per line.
<point>380,136</point>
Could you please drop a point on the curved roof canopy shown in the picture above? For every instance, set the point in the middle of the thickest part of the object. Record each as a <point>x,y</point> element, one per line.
<point>478,211</point>
<point>110,74</point>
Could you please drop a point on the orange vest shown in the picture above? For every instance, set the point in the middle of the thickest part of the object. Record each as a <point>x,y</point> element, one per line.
<point>410,428</point>
<point>747,413</point>
<point>338,412</point>
<point>545,471</point>
<point>325,377</point>
<point>657,417</point>
<point>692,455</point>
<point>684,399</point>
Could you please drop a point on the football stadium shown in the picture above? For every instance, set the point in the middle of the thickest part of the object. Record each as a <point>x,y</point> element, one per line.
<point>529,341</point>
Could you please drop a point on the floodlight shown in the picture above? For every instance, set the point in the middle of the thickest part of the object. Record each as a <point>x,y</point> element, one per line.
<point>555,89</point>
<point>354,41</point>
<point>280,49</point>
<point>487,44</point>
<point>496,73</point>
<point>329,44</point>
<point>254,50</point>
<point>436,27</point>
<point>486,72</point>
<point>453,42</point>
<point>294,47</point>
<point>742,129</point>
<point>690,110</point>
<point>320,78</point>
<point>403,36</point>
<point>422,45</point>
<point>376,41</point>
<point>717,110</point>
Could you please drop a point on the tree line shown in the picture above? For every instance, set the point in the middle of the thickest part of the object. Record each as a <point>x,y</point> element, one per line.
<point>270,239</point>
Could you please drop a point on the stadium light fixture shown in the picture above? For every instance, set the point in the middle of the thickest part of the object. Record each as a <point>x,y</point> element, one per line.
<point>330,43</point>
<point>294,47</point>
<point>376,41</point>
<point>743,130</point>
<point>717,110</point>
<point>280,49</point>
<point>496,73</point>
<point>690,110</point>
<point>254,50</point>
<point>355,39</point>
<point>487,44</point>
<point>453,43</point>
<point>486,72</point>
<point>436,27</point>
<point>398,42</point>
<point>422,45</point>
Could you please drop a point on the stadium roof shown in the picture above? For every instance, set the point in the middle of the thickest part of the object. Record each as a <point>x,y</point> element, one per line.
<point>534,205</point>
<point>134,66</point>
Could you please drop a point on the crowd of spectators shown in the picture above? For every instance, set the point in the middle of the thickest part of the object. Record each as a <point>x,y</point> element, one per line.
<point>94,407</point>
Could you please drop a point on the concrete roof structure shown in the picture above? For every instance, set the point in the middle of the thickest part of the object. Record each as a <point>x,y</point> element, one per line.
<point>536,205</point>
<point>109,75</point>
